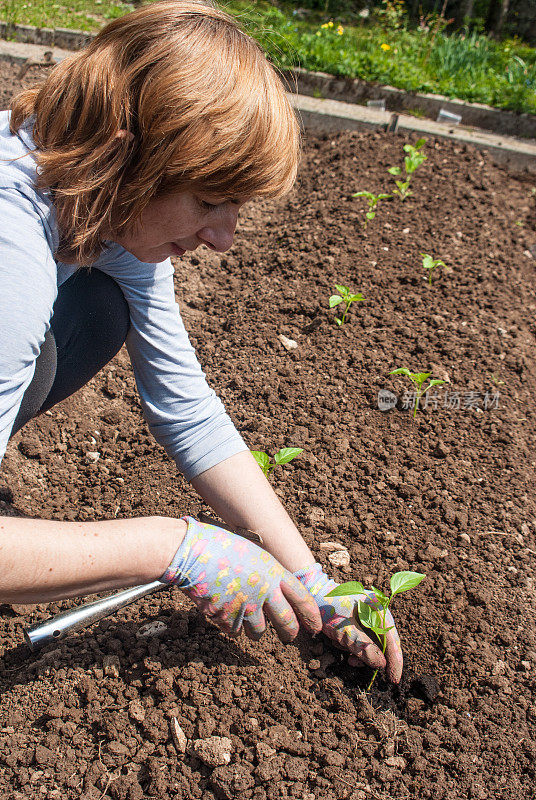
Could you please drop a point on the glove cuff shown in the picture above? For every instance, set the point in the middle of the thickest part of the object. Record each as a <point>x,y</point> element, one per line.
<point>178,573</point>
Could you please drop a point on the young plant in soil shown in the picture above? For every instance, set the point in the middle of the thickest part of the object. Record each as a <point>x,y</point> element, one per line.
<point>418,379</point>
<point>372,200</point>
<point>285,455</point>
<point>344,296</point>
<point>430,264</point>
<point>412,162</point>
<point>373,614</point>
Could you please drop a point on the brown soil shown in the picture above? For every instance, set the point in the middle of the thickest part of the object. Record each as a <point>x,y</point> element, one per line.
<point>450,494</point>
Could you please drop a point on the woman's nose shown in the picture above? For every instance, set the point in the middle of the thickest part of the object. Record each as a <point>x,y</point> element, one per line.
<point>220,233</point>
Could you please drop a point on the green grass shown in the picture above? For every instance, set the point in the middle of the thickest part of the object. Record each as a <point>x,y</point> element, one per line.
<point>469,67</point>
<point>82,15</point>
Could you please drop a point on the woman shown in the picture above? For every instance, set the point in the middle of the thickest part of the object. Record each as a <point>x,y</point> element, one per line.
<point>141,147</point>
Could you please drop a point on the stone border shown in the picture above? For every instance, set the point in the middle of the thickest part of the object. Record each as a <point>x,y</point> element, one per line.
<point>49,37</point>
<point>330,116</point>
<point>349,90</point>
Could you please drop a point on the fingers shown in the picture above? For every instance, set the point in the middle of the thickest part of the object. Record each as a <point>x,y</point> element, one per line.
<point>302,602</point>
<point>393,654</point>
<point>393,660</point>
<point>360,645</point>
<point>255,625</point>
<point>283,619</point>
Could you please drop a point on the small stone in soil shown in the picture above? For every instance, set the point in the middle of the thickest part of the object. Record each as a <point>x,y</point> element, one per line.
<point>340,558</point>
<point>396,761</point>
<point>215,751</point>
<point>288,344</point>
<point>111,666</point>
<point>177,734</point>
<point>155,628</point>
<point>331,546</point>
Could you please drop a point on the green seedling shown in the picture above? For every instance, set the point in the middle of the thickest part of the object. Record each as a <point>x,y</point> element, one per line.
<point>373,614</point>
<point>344,296</point>
<point>418,379</point>
<point>372,200</point>
<point>430,264</point>
<point>285,455</point>
<point>412,162</point>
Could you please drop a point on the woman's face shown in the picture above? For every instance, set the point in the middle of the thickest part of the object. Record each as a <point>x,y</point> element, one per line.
<point>179,222</point>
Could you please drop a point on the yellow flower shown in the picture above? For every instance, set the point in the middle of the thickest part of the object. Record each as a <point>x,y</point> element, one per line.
<point>330,24</point>
<point>386,46</point>
<point>325,25</point>
<point>340,30</point>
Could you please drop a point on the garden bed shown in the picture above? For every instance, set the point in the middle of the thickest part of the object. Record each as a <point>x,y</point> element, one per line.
<point>450,494</point>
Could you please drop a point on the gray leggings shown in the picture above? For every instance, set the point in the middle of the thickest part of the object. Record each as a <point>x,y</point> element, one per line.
<point>89,324</point>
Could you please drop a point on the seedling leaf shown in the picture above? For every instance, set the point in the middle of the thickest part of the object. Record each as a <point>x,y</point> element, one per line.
<point>381,596</point>
<point>368,616</point>
<point>420,377</point>
<point>345,297</point>
<point>286,454</point>
<point>262,459</point>
<point>344,589</point>
<point>401,371</point>
<point>402,581</point>
<point>394,170</point>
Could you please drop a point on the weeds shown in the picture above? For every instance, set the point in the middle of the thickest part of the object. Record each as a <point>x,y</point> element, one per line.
<point>372,614</point>
<point>345,296</point>
<point>285,455</point>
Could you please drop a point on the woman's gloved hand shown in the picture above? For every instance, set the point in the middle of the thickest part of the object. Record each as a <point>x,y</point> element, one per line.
<point>339,624</point>
<point>235,583</point>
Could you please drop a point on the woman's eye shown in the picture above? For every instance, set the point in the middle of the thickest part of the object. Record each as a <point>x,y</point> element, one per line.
<point>208,206</point>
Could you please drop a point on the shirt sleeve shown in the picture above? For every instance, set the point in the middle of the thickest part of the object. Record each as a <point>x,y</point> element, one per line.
<point>27,292</point>
<point>183,413</point>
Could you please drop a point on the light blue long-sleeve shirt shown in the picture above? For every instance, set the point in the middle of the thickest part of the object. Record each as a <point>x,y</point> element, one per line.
<point>183,413</point>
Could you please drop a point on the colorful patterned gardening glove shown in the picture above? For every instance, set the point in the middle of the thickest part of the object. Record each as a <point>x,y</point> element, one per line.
<point>234,582</point>
<point>339,624</point>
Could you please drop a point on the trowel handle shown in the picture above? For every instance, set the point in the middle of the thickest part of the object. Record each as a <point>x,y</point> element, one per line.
<point>82,616</point>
